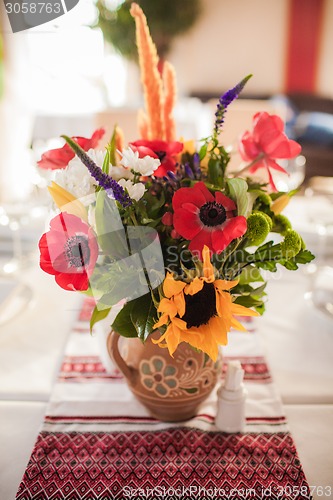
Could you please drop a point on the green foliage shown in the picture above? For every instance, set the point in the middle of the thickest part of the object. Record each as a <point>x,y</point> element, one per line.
<point>238,193</point>
<point>110,233</point>
<point>166,20</point>
<point>98,315</point>
<point>137,318</point>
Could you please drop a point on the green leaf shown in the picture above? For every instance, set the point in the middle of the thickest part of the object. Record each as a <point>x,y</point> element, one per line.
<point>98,315</point>
<point>143,316</point>
<point>123,323</point>
<point>203,151</point>
<point>111,147</point>
<point>303,257</point>
<point>250,274</point>
<point>137,318</point>
<point>248,301</point>
<point>238,192</point>
<point>106,162</point>
<point>215,172</point>
<point>267,265</point>
<point>110,232</point>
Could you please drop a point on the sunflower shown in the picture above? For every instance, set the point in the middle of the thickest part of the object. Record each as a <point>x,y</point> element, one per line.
<point>200,312</point>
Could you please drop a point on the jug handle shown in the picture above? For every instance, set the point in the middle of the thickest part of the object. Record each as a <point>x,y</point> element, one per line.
<point>113,350</point>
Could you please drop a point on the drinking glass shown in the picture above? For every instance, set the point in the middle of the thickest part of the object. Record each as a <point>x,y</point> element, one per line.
<point>319,195</point>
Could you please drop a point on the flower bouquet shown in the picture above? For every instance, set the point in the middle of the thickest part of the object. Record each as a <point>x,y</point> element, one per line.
<point>162,227</point>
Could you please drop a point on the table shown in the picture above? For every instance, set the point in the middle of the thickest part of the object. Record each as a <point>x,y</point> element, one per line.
<point>297,340</point>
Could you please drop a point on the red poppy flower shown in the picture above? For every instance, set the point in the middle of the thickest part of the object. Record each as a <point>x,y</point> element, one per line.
<point>206,219</point>
<point>266,143</point>
<point>164,151</point>
<point>69,251</point>
<point>60,157</point>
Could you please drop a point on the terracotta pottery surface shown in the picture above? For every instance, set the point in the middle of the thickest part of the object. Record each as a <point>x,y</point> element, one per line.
<point>171,388</point>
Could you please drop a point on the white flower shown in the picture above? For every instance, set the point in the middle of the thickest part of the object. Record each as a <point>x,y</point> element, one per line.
<point>76,178</point>
<point>143,166</point>
<point>135,191</point>
<point>120,173</point>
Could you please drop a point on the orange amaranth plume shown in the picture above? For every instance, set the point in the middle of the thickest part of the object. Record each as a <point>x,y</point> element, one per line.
<point>169,79</point>
<point>158,106</point>
<point>143,125</point>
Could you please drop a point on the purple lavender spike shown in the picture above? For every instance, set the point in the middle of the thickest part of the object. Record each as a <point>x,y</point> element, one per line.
<point>172,176</point>
<point>105,181</point>
<point>188,171</point>
<point>224,102</point>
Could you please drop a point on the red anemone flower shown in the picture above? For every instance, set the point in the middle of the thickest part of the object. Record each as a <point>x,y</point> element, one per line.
<point>164,151</point>
<point>60,157</point>
<point>206,219</point>
<point>266,143</point>
<point>69,251</point>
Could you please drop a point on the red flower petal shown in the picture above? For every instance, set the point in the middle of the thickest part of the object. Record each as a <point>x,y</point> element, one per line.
<point>275,166</point>
<point>232,229</point>
<point>199,241</point>
<point>73,282</point>
<point>225,201</point>
<point>167,165</point>
<point>60,157</point>
<point>170,148</point>
<point>201,187</point>
<point>144,151</point>
<point>186,223</point>
<point>188,195</point>
<point>248,148</point>
<point>58,251</point>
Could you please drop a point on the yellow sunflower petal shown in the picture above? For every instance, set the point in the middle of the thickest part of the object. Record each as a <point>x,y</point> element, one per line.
<point>167,306</point>
<point>224,284</point>
<point>162,321</point>
<point>194,287</point>
<point>243,311</point>
<point>223,304</point>
<point>203,341</point>
<point>171,286</point>
<point>172,335</point>
<point>237,325</point>
<point>208,268</point>
<point>179,302</point>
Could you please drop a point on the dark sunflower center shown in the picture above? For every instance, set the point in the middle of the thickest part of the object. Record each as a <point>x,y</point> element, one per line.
<point>161,155</point>
<point>212,213</point>
<point>201,307</point>
<point>77,251</point>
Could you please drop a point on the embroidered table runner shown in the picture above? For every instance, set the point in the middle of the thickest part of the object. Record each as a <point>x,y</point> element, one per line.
<point>98,442</point>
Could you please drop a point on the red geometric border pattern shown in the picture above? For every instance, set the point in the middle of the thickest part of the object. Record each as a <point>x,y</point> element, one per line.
<point>88,466</point>
<point>81,368</point>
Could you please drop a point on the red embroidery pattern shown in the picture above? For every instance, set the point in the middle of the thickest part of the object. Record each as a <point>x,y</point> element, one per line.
<point>79,466</point>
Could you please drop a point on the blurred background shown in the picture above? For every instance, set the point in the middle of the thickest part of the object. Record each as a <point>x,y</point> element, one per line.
<point>80,70</point>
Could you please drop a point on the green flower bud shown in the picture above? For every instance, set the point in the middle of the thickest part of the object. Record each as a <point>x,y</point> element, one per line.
<point>265,199</point>
<point>258,227</point>
<point>281,224</point>
<point>269,220</point>
<point>291,244</point>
